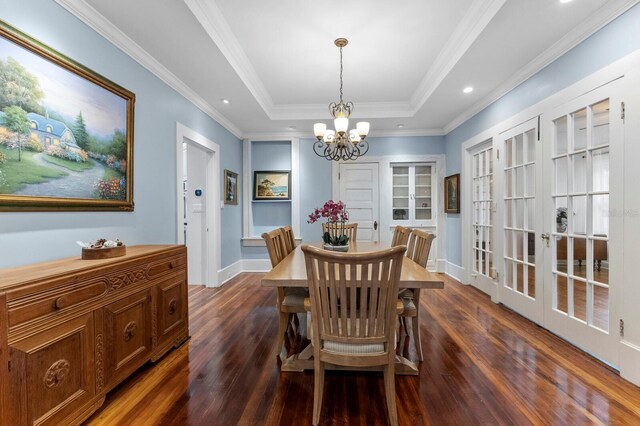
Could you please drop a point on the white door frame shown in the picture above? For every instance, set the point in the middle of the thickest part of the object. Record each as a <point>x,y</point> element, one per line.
<point>384,180</point>
<point>184,134</point>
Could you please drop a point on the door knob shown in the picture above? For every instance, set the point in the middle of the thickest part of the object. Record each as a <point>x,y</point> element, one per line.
<point>375,225</point>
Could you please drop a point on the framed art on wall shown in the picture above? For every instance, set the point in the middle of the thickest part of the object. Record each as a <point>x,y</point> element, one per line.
<point>272,185</point>
<point>452,194</point>
<point>66,132</point>
<point>230,187</point>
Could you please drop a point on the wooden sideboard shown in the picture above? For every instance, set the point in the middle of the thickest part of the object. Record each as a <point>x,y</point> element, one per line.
<point>72,329</point>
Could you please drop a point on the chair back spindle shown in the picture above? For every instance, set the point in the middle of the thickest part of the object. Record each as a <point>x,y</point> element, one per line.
<point>337,229</point>
<point>400,236</point>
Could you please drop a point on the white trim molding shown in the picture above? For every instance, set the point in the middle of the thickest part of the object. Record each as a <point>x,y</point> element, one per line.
<point>213,202</point>
<point>454,271</point>
<point>573,38</point>
<point>90,16</point>
<point>630,362</point>
<point>228,273</point>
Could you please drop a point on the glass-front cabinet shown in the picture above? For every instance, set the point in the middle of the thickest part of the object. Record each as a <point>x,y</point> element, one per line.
<point>414,202</point>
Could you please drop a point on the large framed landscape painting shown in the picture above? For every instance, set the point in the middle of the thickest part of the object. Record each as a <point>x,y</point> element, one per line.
<point>66,133</point>
<point>272,185</point>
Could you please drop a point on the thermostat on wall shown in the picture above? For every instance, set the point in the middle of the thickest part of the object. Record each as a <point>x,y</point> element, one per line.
<point>198,192</point>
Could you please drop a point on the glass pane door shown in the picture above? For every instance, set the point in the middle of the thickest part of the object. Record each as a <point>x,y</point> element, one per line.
<point>581,176</point>
<point>483,216</point>
<point>520,289</point>
<point>586,137</point>
<point>400,193</point>
<point>423,193</point>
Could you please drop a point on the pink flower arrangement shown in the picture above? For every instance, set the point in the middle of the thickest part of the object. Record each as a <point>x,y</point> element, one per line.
<point>332,211</point>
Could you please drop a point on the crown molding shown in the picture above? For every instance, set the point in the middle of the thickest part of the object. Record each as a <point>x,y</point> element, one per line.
<point>218,29</point>
<point>475,20</point>
<point>468,30</point>
<point>362,110</point>
<point>91,17</point>
<point>573,38</point>
<point>285,136</point>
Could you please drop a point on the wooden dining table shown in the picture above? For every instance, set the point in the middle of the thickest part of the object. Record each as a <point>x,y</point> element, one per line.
<point>292,272</point>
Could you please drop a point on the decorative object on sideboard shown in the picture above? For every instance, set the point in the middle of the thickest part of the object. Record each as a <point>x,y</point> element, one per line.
<point>452,194</point>
<point>74,152</point>
<point>335,238</point>
<point>272,185</point>
<point>102,249</point>
<point>230,187</point>
<point>341,144</point>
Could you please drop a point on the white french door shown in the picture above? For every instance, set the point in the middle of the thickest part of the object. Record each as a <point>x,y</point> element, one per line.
<point>584,266</point>
<point>482,206</point>
<point>359,191</point>
<point>520,286</point>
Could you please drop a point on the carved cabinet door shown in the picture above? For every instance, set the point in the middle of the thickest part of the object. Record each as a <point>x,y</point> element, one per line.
<point>126,325</point>
<point>51,373</point>
<point>171,307</point>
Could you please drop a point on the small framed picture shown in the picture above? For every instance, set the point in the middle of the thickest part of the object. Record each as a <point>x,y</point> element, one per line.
<point>452,194</point>
<point>272,185</point>
<point>230,187</point>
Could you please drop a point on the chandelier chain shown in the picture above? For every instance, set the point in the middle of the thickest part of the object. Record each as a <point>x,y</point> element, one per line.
<point>340,74</point>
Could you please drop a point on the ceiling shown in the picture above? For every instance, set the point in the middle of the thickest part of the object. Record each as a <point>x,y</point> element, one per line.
<point>405,66</point>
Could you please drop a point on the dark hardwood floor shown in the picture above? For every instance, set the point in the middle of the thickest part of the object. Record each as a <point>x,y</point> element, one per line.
<point>484,364</point>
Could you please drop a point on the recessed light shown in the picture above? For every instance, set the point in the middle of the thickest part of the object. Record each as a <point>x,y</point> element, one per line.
<point>225,101</point>
<point>565,1</point>
<point>400,126</point>
<point>291,127</point>
<point>468,89</point>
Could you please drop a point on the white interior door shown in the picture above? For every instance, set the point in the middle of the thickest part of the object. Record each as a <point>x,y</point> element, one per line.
<point>359,191</point>
<point>521,286</point>
<point>482,206</point>
<point>196,228</point>
<point>585,263</point>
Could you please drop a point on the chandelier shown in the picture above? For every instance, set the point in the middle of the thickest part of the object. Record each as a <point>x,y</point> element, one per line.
<point>341,143</point>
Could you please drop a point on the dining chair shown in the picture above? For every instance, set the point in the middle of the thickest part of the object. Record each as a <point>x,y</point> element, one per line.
<point>418,251</point>
<point>400,236</point>
<point>350,230</point>
<point>290,300</point>
<point>354,305</point>
<point>289,239</point>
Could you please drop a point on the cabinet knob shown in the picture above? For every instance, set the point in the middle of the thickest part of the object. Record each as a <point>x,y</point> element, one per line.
<point>60,303</point>
<point>172,264</point>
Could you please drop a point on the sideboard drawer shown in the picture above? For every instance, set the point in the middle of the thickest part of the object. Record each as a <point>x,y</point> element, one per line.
<point>166,265</point>
<point>32,307</point>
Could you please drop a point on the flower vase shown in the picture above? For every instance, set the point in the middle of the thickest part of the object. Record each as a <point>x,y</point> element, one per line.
<point>335,237</point>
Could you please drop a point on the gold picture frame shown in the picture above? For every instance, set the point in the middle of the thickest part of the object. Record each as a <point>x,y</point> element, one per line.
<point>272,185</point>
<point>230,189</point>
<point>67,144</point>
<point>452,194</point>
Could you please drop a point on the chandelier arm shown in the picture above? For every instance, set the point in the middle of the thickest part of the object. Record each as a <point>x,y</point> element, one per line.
<point>365,145</point>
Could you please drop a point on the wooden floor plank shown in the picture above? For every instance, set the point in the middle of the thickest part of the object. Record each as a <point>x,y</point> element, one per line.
<point>484,364</point>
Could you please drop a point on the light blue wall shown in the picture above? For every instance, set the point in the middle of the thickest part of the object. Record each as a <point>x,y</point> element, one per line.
<point>619,38</point>
<point>268,155</point>
<point>33,237</point>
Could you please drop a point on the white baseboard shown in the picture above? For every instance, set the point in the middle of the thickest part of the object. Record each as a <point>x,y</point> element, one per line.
<point>225,274</point>
<point>256,265</point>
<point>441,265</point>
<point>630,362</point>
<point>454,271</point>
